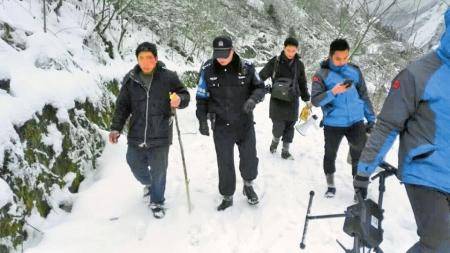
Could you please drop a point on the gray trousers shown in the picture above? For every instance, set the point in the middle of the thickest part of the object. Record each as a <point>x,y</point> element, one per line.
<point>432,214</point>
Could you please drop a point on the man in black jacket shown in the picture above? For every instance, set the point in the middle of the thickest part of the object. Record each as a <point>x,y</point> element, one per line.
<point>145,95</point>
<point>228,91</point>
<point>284,114</point>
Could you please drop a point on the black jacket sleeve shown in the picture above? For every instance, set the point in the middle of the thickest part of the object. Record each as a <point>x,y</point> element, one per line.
<point>123,107</point>
<point>258,88</point>
<point>267,70</point>
<point>303,84</point>
<point>178,87</point>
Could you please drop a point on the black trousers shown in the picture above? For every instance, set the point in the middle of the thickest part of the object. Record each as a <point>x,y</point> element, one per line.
<point>283,128</point>
<point>225,137</point>
<point>356,137</point>
<point>432,214</point>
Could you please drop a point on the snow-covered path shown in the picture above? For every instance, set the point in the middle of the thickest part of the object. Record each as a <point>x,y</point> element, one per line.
<point>109,214</point>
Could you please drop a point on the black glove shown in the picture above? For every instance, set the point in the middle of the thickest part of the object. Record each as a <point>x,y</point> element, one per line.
<point>249,106</point>
<point>204,129</point>
<point>369,127</point>
<point>305,96</point>
<point>360,183</point>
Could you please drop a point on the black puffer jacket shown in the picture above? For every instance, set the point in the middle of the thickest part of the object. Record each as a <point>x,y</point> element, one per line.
<point>150,123</point>
<point>281,110</point>
<point>224,90</point>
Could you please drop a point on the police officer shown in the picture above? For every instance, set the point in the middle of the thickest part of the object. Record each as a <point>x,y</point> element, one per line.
<point>227,93</point>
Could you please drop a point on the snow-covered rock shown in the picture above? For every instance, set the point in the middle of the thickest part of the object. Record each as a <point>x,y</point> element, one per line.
<point>6,195</point>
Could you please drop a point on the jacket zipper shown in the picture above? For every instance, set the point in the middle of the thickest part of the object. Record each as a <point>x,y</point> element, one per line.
<point>144,144</point>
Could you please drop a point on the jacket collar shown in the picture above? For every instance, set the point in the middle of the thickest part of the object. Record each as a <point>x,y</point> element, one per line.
<point>134,73</point>
<point>328,64</point>
<point>235,64</point>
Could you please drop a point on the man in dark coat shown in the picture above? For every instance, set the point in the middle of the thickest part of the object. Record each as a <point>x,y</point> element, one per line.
<point>284,114</point>
<point>145,95</point>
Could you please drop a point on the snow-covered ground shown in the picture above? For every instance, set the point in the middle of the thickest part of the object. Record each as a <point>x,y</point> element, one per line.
<point>110,215</point>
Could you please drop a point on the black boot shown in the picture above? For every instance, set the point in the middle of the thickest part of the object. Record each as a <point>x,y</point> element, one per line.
<point>331,189</point>
<point>331,192</point>
<point>157,210</point>
<point>227,201</point>
<point>252,198</point>
<point>286,155</point>
<point>273,147</point>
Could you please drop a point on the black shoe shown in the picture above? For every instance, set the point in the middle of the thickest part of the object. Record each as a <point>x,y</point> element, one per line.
<point>362,191</point>
<point>252,198</point>
<point>273,147</point>
<point>157,210</point>
<point>331,192</point>
<point>226,202</point>
<point>286,155</point>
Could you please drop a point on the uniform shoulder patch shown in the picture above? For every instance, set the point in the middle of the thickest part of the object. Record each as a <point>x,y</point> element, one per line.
<point>207,64</point>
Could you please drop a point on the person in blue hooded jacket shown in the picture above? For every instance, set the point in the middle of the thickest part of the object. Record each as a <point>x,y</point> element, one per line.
<point>418,110</point>
<point>340,90</point>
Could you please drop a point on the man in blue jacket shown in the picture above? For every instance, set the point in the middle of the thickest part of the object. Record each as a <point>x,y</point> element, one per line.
<point>340,90</point>
<point>418,109</point>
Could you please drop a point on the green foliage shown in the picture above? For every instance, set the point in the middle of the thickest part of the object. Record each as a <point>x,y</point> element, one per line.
<point>190,79</point>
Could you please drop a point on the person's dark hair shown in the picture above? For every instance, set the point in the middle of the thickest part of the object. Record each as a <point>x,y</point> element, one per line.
<point>147,47</point>
<point>338,45</point>
<point>291,42</point>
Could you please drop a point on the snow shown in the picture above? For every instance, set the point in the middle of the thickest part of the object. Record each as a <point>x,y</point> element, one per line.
<point>6,195</point>
<point>257,4</point>
<point>54,138</point>
<point>422,31</point>
<point>110,215</point>
<point>4,74</point>
<point>430,25</point>
<point>55,68</point>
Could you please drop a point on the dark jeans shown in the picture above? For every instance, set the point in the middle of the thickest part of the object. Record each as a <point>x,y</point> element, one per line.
<point>356,137</point>
<point>225,137</point>
<point>283,128</point>
<point>432,214</point>
<point>140,159</point>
